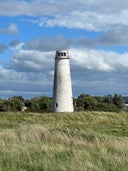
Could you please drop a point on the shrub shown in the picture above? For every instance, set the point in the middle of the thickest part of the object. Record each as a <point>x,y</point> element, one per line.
<point>107,107</point>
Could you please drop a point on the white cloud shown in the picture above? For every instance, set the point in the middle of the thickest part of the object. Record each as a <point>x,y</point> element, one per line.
<point>26,8</point>
<point>99,60</point>
<point>32,61</point>
<point>81,58</point>
<point>12,29</point>
<point>88,20</point>
<point>93,72</point>
<point>89,15</point>
<point>26,84</point>
<point>16,44</point>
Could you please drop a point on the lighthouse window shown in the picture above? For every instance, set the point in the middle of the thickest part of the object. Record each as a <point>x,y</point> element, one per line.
<point>62,54</point>
<point>56,104</point>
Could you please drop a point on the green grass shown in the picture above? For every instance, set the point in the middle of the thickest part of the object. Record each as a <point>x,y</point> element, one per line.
<point>81,141</point>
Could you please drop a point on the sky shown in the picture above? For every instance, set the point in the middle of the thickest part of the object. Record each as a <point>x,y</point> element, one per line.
<point>95,33</point>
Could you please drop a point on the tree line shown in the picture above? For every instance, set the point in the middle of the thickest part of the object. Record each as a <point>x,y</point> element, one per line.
<point>113,103</point>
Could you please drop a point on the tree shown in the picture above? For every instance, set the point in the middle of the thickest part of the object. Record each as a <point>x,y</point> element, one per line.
<point>118,101</point>
<point>108,99</point>
<point>39,104</point>
<point>86,102</point>
<point>90,103</point>
<point>15,103</point>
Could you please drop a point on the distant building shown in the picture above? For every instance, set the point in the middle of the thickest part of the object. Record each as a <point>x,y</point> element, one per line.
<point>125,107</point>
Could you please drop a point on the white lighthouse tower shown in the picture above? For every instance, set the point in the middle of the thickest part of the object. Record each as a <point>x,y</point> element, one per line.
<point>62,90</point>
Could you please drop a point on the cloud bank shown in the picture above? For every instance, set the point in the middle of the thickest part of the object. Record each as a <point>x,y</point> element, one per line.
<point>88,15</point>
<point>95,67</point>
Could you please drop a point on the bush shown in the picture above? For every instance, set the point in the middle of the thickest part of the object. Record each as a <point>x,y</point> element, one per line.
<point>90,103</point>
<point>107,107</point>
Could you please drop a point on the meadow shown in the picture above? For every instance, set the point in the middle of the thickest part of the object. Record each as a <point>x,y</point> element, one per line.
<point>80,141</point>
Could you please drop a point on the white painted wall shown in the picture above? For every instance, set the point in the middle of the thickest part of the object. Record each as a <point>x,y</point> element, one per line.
<point>62,90</point>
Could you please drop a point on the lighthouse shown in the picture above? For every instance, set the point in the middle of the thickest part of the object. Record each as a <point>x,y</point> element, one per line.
<point>62,88</point>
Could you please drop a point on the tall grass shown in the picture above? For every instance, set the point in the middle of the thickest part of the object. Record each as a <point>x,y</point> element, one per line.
<point>83,141</point>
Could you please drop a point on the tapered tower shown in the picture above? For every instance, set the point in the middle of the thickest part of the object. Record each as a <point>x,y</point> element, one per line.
<point>62,90</point>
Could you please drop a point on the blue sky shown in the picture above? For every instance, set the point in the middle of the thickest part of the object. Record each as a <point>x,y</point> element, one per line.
<point>94,32</point>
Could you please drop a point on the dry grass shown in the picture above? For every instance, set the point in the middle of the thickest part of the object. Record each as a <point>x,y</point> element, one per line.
<point>64,142</point>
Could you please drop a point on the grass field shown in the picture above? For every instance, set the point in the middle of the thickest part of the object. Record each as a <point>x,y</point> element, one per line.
<point>81,141</point>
